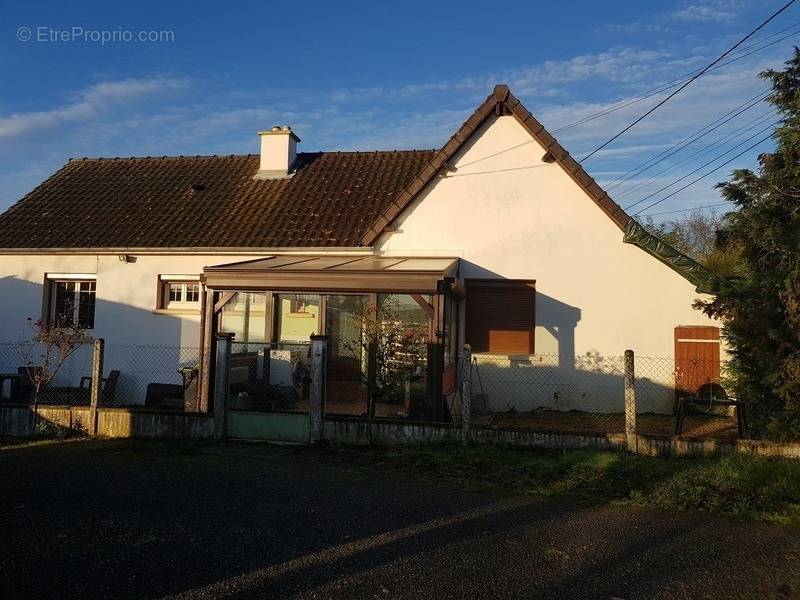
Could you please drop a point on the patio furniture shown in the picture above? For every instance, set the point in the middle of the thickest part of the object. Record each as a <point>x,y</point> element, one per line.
<point>171,395</point>
<point>685,402</point>
<point>22,388</point>
<point>164,395</point>
<point>81,395</point>
<point>12,379</point>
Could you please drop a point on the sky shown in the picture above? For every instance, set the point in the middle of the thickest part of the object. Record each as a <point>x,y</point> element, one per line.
<point>77,81</point>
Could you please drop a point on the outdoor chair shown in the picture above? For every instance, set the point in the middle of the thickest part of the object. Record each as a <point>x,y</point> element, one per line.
<point>22,387</point>
<point>82,394</point>
<point>108,386</point>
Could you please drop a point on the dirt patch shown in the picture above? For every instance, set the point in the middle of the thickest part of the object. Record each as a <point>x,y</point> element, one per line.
<point>694,425</point>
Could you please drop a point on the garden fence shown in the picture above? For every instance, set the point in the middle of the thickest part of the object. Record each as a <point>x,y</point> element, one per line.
<point>586,394</point>
<point>161,377</point>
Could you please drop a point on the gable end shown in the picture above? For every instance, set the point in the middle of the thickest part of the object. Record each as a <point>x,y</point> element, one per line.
<point>501,102</point>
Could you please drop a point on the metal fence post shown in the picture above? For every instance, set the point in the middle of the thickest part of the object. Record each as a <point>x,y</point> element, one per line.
<point>97,383</point>
<point>630,402</point>
<point>466,392</point>
<point>221,373</point>
<point>319,349</point>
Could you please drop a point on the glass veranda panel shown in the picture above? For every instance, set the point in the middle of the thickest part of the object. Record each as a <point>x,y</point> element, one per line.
<point>346,322</point>
<point>265,376</point>
<point>401,357</point>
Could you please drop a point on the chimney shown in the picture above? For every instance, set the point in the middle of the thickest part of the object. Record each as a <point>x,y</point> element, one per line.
<point>278,151</point>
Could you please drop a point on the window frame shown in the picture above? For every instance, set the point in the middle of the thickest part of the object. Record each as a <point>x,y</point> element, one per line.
<point>528,285</point>
<point>165,305</point>
<point>51,291</point>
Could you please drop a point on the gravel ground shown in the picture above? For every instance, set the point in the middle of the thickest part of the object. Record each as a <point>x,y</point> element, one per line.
<point>134,519</point>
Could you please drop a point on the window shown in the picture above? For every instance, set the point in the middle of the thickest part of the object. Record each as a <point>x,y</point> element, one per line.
<point>246,317</point>
<point>71,303</point>
<point>179,292</point>
<point>297,317</point>
<point>500,315</point>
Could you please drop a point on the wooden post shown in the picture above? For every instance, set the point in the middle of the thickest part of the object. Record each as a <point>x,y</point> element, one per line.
<point>316,408</point>
<point>466,392</point>
<point>630,402</point>
<point>222,370</point>
<point>97,384</point>
<point>204,384</point>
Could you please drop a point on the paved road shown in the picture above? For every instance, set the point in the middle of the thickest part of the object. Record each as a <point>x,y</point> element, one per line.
<point>105,520</point>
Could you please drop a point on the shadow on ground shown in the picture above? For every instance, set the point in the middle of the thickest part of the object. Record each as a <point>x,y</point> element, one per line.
<point>134,519</point>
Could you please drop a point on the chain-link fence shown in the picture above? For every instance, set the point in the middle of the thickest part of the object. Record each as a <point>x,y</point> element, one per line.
<point>269,377</point>
<point>693,396</point>
<point>586,394</point>
<point>549,392</point>
<point>35,372</point>
<point>163,377</point>
<point>690,396</point>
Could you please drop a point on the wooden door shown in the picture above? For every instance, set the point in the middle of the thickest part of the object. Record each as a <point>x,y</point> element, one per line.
<point>697,358</point>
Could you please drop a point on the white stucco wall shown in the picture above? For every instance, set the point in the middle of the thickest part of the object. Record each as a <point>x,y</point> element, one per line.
<point>143,345</point>
<point>508,214</point>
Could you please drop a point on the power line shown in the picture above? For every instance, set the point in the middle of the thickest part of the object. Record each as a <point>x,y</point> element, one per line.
<point>673,83</point>
<point>701,167</point>
<point>701,152</point>
<point>655,91</point>
<point>682,210</point>
<point>688,140</point>
<point>691,183</point>
<point>688,82</point>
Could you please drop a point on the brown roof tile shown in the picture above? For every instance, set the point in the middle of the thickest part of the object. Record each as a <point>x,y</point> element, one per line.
<point>335,199</point>
<point>210,202</point>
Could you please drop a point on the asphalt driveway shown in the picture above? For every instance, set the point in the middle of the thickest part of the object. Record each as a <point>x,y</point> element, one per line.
<point>134,519</point>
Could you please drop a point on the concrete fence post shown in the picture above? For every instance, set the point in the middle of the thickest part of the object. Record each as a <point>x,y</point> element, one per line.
<point>316,408</point>
<point>96,389</point>
<point>630,402</point>
<point>221,374</point>
<point>466,392</point>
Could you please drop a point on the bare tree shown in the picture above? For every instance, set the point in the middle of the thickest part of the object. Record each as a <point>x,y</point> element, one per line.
<point>694,234</point>
<point>45,354</point>
<point>700,234</point>
<point>395,347</point>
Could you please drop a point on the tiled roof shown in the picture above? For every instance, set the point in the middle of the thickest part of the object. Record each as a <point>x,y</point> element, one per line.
<point>209,202</point>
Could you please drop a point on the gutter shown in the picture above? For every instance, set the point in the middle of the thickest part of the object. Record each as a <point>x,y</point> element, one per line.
<point>331,250</point>
<point>685,266</point>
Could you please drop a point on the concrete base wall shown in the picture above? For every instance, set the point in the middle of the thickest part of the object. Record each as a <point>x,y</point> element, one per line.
<point>388,433</point>
<point>653,445</point>
<point>16,421</point>
<point>351,431</point>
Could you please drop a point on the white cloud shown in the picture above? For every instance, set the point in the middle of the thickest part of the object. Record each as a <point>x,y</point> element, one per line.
<point>87,104</point>
<point>710,11</point>
<point>703,13</point>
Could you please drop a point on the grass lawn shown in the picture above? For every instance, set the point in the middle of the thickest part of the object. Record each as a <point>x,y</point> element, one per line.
<point>743,486</point>
<point>694,426</point>
<point>739,485</point>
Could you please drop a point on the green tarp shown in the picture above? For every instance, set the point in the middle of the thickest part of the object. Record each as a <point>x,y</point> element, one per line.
<point>689,268</point>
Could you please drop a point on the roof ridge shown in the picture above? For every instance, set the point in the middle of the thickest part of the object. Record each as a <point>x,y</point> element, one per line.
<point>223,156</point>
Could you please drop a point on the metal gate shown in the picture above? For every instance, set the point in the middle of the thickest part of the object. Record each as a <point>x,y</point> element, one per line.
<point>267,394</point>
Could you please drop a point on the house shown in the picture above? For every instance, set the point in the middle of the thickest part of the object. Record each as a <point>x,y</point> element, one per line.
<point>500,239</point>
